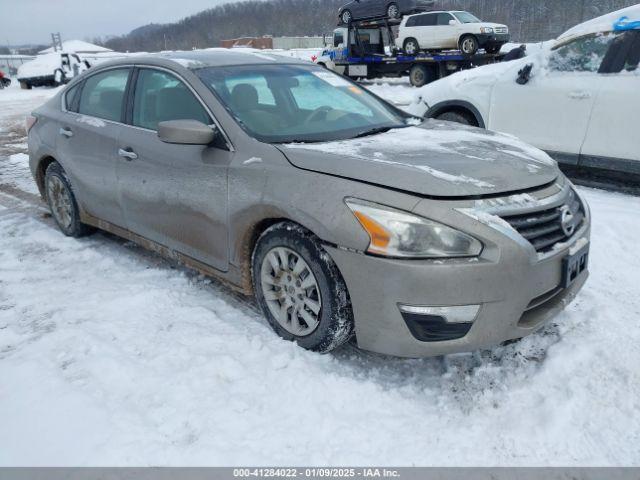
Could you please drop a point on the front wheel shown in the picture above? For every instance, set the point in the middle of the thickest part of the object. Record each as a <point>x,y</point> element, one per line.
<point>469,45</point>
<point>62,202</point>
<point>300,289</point>
<point>346,17</point>
<point>458,117</point>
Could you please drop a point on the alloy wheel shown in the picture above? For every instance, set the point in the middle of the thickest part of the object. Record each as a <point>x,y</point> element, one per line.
<point>411,48</point>
<point>60,201</point>
<point>468,46</point>
<point>393,11</point>
<point>291,291</point>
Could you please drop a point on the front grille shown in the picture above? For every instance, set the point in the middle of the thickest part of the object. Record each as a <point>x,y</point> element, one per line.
<point>501,30</point>
<point>547,228</point>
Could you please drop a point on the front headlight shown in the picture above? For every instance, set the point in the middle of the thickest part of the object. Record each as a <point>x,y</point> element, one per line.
<point>486,30</point>
<point>399,234</point>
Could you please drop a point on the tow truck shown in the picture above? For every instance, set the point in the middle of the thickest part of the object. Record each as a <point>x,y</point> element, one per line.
<point>366,49</point>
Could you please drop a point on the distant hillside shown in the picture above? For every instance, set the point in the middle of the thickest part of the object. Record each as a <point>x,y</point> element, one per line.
<point>529,20</point>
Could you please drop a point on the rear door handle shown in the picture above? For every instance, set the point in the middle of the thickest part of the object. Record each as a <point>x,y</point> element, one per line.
<point>65,132</point>
<point>580,95</point>
<point>127,154</point>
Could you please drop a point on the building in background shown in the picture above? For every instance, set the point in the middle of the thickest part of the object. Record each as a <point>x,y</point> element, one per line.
<point>78,46</point>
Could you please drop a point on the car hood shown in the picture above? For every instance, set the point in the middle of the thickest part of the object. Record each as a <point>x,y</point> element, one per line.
<point>438,159</point>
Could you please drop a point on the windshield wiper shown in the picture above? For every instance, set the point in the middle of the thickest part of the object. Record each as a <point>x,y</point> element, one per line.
<point>374,131</point>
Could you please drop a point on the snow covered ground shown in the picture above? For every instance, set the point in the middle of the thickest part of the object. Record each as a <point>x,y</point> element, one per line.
<point>110,355</point>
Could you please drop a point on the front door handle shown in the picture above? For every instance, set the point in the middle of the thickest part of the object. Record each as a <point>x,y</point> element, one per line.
<point>65,132</point>
<point>580,95</point>
<point>127,154</point>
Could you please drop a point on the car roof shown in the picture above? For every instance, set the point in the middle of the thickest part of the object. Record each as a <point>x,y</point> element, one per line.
<point>213,57</point>
<point>434,11</point>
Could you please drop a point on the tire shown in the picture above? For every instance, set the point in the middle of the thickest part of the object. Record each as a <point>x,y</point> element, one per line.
<point>62,202</point>
<point>321,330</point>
<point>458,117</point>
<point>421,75</point>
<point>411,46</point>
<point>393,11</point>
<point>25,85</point>
<point>346,16</point>
<point>469,45</point>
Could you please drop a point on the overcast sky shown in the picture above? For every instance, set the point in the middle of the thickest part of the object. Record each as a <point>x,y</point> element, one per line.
<point>33,21</point>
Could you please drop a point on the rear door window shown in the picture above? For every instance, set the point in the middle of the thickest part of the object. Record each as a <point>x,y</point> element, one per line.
<point>425,20</point>
<point>160,96</point>
<point>103,94</point>
<point>71,98</point>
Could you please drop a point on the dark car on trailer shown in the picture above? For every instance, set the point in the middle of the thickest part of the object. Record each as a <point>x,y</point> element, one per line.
<point>367,9</point>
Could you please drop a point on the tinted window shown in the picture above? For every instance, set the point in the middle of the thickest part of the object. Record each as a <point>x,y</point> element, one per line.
<point>160,96</point>
<point>103,94</point>
<point>338,39</point>
<point>582,55</point>
<point>444,18</point>
<point>427,20</point>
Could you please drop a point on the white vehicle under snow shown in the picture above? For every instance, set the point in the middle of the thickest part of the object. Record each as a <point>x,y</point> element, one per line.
<point>577,98</point>
<point>51,69</point>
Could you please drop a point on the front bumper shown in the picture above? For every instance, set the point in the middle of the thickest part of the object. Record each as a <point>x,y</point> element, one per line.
<point>518,292</point>
<point>492,39</point>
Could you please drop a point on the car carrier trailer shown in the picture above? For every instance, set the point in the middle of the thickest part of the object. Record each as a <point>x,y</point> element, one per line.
<point>366,49</point>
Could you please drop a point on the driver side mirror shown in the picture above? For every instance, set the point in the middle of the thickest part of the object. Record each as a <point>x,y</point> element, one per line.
<point>186,132</point>
<point>452,23</point>
<point>524,75</point>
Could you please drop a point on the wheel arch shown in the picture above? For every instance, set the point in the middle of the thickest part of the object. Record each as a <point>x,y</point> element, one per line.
<point>251,233</point>
<point>41,170</point>
<point>457,106</point>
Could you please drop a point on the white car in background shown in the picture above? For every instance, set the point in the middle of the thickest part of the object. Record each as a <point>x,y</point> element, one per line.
<point>578,98</point>
<point>449,30</point>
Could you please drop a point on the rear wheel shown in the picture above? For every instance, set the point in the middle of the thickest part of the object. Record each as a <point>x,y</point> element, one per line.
<point>393,11</point>
<point>411,46</point>
<point>346,17</point>
<point>62,202</point>
<point>300,289</point>
<point>469,45</point>
<point>420,75</point>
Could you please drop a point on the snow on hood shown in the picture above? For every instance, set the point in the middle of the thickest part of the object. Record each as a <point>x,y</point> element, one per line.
<point>437,158</point>
<point>40,66</point>
<point>604,23</point>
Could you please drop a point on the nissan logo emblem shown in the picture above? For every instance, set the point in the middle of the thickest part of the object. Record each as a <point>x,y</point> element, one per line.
<point>567,221</point>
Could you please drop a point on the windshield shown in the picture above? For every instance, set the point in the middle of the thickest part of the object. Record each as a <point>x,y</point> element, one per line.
<point>298,103</point>
<point>466,17</point>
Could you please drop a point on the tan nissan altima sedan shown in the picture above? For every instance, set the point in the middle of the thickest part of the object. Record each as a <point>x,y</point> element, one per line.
<point>344,216</point>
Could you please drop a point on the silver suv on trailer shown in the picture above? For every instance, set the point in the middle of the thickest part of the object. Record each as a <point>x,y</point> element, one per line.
<point>343,215</point>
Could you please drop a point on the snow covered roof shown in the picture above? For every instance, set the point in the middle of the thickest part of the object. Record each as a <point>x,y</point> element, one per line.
<point>78,46</point>
<point>604,23</point>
